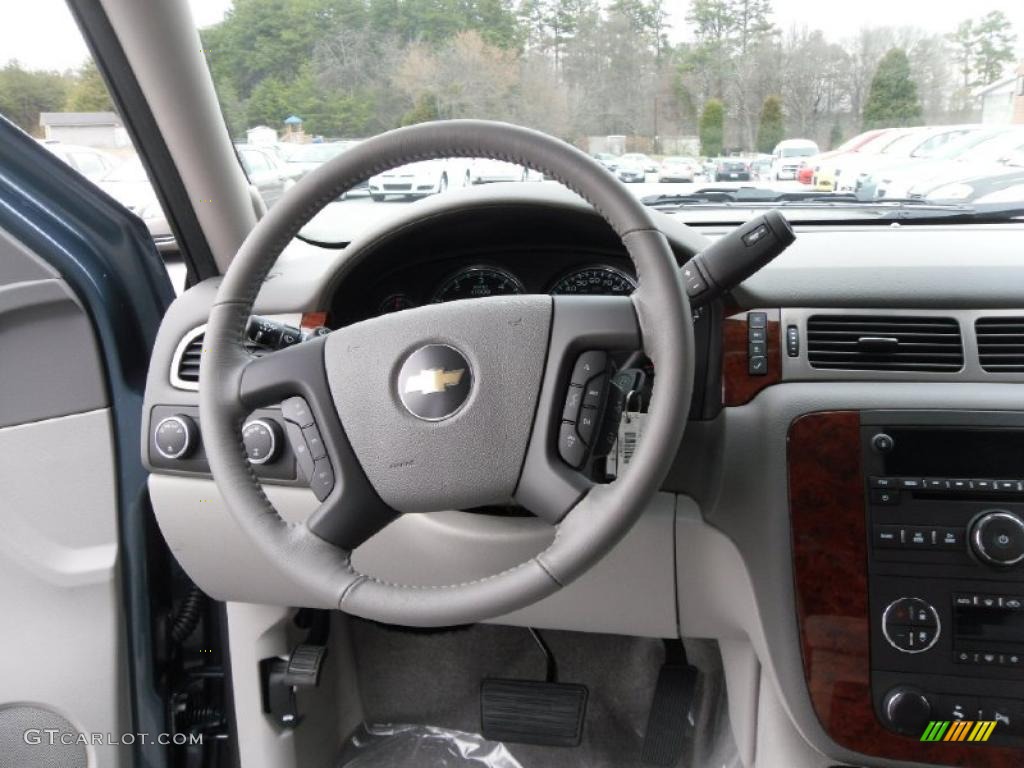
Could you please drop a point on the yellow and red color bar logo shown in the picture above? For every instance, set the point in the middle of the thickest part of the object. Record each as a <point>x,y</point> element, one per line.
<point>958,730</point>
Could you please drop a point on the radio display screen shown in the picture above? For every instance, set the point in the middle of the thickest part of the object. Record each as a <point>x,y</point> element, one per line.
<point>997,625</point>
<point>929,452</point>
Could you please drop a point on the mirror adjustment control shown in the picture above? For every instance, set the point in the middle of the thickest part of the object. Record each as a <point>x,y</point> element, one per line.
<point>262,440</point>
<point>175,437</point>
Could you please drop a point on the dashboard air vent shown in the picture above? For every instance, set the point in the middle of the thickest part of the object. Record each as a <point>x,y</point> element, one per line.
<point>884,343</point>
<point>1000,344</point>
<point>188,363</point>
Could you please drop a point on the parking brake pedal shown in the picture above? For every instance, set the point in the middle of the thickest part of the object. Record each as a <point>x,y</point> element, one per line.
<point>669,722</point>
<point>547,713</point>
<point>282,678</point>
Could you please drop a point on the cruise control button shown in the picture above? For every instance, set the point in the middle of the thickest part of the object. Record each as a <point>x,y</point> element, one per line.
<point>573,398</point>
<point>315,442</point>
<point>570,447</point>
<point>295,410</point>
<point>300,449</point>
<point>322,481</point>
<point>588,365</point>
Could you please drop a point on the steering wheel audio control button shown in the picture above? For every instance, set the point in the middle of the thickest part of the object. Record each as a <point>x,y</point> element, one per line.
<point>295,410</point>
<point>594,391</point>
<point>322,481</point>
<point>587,424</point>
<point>570,447</point>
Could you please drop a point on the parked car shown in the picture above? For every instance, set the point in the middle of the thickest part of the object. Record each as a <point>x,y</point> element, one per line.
<point>265,171</point>
<point>678,169</point>
<point>633,167</point>
<point>761,167</point>
<point>732,169</point>
<point>789,155</point>
<point>989,147</point>
<point>1003,185</point>
<point>308,157</point>
<point>421,179</point>
<point>920,144</point>
<point>92,163</point>
<point>485,171</point>
<point>129,184</point>
<point>820,172</point>
<point>607,159</point>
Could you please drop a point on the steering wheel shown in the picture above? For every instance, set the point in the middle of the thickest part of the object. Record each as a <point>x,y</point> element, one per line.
<point>448,406</point>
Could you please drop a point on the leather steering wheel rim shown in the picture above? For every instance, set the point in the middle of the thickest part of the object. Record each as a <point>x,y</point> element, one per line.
<point>232,385</point>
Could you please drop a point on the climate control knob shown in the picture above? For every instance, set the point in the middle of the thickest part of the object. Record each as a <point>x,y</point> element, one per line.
<point>175,436</point>
<point>906,710</point>
<point>997,537</point>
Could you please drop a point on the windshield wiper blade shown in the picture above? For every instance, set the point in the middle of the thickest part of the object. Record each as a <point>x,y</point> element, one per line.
<point>952,213</point>
<point>746,195</point>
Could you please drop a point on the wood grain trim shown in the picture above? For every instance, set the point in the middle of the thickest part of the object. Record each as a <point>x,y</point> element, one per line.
<point>827,519</point>
<point>738,386</point>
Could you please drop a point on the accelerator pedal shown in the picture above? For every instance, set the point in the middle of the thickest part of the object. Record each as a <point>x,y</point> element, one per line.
<point>669,722</point>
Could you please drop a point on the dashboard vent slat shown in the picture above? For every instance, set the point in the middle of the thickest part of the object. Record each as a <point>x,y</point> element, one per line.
<point>884,343</point>
<point>188,363</point>
<point>1000,344</point>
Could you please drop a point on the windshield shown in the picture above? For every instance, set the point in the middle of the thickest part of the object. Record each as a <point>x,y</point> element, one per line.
<point>841,92</point>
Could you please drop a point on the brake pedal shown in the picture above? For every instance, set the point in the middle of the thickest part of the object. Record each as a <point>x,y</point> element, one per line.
<point>674,697</point>
<point>533,712</point>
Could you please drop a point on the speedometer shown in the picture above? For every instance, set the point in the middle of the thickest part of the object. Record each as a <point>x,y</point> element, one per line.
<point>474,282</point>
<point>601,280</point>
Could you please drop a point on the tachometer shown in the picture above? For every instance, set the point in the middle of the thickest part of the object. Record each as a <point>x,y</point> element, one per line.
<point>601,280</point>
<point>474,282</point>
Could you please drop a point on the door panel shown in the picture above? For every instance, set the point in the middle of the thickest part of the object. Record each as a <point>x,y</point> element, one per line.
<point>64,646</point>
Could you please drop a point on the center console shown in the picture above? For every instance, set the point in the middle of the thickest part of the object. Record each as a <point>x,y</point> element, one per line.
<point>945,508</point>
<point>908,545</point>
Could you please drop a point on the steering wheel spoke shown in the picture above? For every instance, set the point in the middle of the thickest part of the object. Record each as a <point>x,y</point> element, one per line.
<point>351,510</point>
<point>569,424</point>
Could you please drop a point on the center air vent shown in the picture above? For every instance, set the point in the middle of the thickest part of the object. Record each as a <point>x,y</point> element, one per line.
<point>884,343</point>
<point>1000,344</point>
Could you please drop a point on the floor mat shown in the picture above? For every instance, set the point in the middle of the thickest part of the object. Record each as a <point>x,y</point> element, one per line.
<point>433,678</point>
<point>422,746</point>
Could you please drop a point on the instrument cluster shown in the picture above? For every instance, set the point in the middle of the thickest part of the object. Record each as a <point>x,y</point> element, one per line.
<point>479,280</point>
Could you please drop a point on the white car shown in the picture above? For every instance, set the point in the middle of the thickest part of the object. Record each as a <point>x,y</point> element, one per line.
<point>92,163</point>
<point>485,171</point>
<point>421,179</point>
<point>790,155</point>
<point>678,169</point>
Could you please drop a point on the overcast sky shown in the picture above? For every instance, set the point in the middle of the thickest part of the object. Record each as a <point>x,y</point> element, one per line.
<point>42,35</point>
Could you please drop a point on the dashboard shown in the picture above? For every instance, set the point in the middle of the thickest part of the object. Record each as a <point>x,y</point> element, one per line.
<point>776,519</point>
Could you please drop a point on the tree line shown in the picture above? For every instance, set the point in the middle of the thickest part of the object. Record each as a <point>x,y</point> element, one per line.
<point>573,68</point>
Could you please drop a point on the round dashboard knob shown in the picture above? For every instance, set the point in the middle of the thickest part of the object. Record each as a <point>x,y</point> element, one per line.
<point>906,710</point>
<point>175,436</point>
<point>882,443</point>
<point>262,440</point>
<point>998,537</point>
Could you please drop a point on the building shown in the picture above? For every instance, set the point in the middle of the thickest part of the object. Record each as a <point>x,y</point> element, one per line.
<point>1003,101</point>
<point>88,129</point>
<point>261,135</point>
<point>1018,98</point>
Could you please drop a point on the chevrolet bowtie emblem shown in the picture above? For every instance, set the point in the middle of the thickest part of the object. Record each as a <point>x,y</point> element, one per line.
<point>433,380</point>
